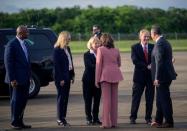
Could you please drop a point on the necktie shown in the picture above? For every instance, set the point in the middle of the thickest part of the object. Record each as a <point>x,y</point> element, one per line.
<point>145,53</point>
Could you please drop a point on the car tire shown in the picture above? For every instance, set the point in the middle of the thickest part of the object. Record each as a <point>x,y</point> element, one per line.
<point>34,86</point>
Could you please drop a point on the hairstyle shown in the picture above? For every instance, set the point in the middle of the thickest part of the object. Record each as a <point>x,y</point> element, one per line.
<point>21,29</point>
<point>156,29</point>
<point>63,39</point>
<point>97,26</point>
<point>107,40</point>
<point>143,31</point>
<point>92,40</point>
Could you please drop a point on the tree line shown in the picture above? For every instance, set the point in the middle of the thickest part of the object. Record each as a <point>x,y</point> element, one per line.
<point>122,19</point>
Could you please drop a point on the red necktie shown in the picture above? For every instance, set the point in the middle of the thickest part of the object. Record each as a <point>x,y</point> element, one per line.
<point>145,53</point>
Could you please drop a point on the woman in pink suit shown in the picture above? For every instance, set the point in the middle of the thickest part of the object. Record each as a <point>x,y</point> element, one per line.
<point>108,75</point>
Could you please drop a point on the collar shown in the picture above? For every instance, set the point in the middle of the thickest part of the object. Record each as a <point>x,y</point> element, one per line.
<point>20,40</point>
<point>144,45</point>
<point>158,38</point>
<point>92,52</point>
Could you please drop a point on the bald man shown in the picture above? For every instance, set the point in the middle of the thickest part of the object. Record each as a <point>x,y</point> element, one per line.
<point>18,73</point>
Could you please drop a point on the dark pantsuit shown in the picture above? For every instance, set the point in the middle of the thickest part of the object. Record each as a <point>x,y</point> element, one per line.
<point>62,99</point>
<point>18,101</point>
<point>63,73</point>
<point>91,94</point>
<point>138,89</point>
<point>164,104</point>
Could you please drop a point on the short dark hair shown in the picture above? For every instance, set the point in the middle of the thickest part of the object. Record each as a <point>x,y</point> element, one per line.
<point>107,40</point>
<point>156,29</point>
<point>96,26</point>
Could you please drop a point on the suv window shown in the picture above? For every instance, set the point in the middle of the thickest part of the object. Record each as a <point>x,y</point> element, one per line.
<point>3,41</point>
<point>43,43</point>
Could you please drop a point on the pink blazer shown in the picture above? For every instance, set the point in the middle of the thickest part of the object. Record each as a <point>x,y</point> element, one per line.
<point>108,62</point>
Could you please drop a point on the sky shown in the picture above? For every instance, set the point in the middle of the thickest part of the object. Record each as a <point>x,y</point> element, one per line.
<point>11,6</point>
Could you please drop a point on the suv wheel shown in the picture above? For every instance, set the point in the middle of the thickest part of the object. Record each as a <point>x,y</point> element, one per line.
<point>34,86</point>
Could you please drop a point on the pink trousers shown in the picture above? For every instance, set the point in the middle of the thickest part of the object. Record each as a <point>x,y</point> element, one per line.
<point>110,104</point>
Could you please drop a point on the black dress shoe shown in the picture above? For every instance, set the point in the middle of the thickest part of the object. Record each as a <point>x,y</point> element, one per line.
<point>26,126</point>
<point>16,127</point>
<point>132,121</point>
<point>97,122</point>
<point>63,123</point>
<point>166,125</point>
<point>89,122</point>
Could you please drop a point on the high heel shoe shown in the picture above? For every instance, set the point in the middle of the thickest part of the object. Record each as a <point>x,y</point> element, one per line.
<point>62,123</point>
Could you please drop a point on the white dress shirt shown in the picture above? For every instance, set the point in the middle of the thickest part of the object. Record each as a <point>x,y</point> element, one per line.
<point>69,59</point>
<point>22,43</point>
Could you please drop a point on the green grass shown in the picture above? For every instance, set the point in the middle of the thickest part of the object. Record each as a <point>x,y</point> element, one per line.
<point>125,45</point>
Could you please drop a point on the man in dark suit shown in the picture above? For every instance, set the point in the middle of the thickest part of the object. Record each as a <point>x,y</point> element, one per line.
<point>96,31</point>
<point>162,73</point>
<point>18,73</point>
<point>141,58</point>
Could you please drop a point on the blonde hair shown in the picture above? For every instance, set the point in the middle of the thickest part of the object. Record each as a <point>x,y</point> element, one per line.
<point>143,31</point>
<point>92,40</point>
<point>63,39</point>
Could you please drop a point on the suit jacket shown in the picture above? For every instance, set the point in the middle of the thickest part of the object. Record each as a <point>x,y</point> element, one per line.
<point>61,65</point>
<point>16,64</point>
<point>141,72</point>
<point>89,63</point>
<point>108,62</point>
<point>162,65</point>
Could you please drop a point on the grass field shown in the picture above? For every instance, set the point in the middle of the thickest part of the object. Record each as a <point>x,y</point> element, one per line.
<point>125,46</point>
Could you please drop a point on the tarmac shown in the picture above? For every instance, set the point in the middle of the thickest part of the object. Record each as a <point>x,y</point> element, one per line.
<point>41,111</point>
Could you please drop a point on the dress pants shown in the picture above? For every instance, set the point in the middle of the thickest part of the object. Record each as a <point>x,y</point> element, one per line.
<point>138,89</point>
<point>91,94</point>
<point>18,100</point>
<point>110,104</point>
<point>62,99</point>
<point>164,104</point>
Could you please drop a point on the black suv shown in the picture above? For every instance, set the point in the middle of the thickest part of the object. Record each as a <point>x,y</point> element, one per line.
<point>41,47</point>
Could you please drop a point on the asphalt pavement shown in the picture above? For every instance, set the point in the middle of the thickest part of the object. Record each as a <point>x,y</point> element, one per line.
<point>41,111</point>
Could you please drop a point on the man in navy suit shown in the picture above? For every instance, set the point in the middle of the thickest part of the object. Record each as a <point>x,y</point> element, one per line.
<point>141,58</point>
<point>18,73</point>
<point>162,73</point>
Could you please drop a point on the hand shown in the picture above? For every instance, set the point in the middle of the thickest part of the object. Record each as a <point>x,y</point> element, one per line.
<point>31,80</point>
<point>173,60</point>
<point>72,81</point>
<point>149,67</point>
<point>62,83</point>
<point>97,85</point>
<point>156,83</point>
<point>14,83</point>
